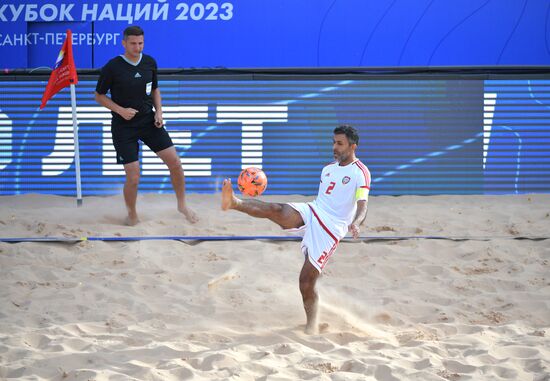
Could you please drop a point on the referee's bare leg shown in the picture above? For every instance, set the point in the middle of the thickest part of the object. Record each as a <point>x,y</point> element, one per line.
<point>172,160</point>
<point>130,191</point>
<point>287,218</point>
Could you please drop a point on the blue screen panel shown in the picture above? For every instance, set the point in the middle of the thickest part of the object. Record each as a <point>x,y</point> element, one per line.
<point>516,136</point>
<point>281,33</point>
<point>418,137</point>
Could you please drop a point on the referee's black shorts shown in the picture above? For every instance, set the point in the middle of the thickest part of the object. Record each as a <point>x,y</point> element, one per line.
<point>126,137</point>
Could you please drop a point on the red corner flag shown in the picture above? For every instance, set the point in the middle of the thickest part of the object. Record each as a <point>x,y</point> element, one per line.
<point>64,72</point>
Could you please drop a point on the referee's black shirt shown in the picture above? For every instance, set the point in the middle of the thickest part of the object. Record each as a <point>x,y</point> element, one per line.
<point>130,85</point>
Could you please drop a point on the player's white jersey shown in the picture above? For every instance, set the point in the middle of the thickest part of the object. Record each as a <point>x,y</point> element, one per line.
<point>338,190</point>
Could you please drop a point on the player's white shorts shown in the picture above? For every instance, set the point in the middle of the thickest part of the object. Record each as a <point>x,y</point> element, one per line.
<point>320,234</point>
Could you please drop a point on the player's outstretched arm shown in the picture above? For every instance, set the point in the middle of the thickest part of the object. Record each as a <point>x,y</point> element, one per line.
<point>360,216</point>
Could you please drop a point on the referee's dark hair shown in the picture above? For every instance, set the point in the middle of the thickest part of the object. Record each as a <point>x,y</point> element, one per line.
<point>133,30</point>
<point>349,131</point>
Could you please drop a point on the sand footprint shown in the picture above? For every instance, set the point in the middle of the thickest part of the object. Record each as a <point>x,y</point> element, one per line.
<point>285,349</point>
<point>458,367</point>
<point>383,373</point>
<point>218,361</point>
<point>516,351</point>
<point>354,366</point>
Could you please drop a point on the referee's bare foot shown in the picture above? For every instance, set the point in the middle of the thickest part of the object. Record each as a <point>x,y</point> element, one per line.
<point>229,201</point>
<point>189,214</point>
<point>131,220</point>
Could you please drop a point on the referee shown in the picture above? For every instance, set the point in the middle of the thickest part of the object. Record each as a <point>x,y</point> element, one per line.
<point>132,80</point>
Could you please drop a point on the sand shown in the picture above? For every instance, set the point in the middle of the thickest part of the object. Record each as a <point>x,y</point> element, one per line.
<point>415,309</point>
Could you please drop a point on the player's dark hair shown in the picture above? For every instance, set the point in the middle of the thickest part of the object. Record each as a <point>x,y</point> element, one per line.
<point>349,131</point>
<point>133,30</point>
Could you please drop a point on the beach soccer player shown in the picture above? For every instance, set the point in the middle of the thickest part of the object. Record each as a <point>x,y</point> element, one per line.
<point>340,207</point>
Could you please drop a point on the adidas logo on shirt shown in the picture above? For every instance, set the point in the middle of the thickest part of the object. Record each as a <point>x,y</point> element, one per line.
<point>137,75</point>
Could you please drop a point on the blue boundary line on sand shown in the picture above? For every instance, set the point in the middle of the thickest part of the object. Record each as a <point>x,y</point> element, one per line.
<point>252,238</point>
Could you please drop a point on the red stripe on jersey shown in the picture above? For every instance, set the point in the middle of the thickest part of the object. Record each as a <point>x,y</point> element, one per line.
<point>323,225</point>
<point>365,171</point>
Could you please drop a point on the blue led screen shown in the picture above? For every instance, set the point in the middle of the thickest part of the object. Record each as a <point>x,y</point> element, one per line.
<point>281,33</point>
<point>423,137</point>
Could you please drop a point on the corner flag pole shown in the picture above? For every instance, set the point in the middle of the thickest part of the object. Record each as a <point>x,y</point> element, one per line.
<point>76,147</point>
<point>63,75</point>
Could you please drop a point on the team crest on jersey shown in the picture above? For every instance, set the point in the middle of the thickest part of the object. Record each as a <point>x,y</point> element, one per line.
<point>346,180</point>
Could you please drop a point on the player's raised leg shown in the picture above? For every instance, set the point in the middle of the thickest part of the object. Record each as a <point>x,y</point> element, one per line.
<point>282,214</point>
<point>130,192</point>
<point>310,297</point>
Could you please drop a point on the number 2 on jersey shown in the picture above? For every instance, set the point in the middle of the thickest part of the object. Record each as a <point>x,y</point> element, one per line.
<point>330,187</point>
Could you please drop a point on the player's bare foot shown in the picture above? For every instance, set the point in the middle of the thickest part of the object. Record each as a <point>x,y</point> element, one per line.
<point>189,214</point>
<point>316,329</point>
<point>131,220</point>
<point>312,329</point>
<point>229,201</point>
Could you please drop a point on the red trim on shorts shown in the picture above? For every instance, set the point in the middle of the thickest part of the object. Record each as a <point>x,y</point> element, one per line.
<point>329,254</point>
<point>323,225</point>
<point>365,171</point>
